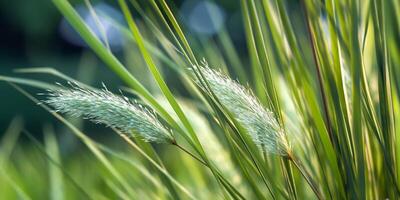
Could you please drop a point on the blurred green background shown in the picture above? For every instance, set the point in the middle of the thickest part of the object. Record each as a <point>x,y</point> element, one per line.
<point>34,34</point>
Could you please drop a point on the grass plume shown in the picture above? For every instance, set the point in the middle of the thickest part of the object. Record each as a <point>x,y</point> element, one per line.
<point>104,107</point>
<point>259,122</point>
<point>334,63</point>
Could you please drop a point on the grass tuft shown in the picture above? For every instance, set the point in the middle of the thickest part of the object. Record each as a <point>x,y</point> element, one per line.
<point>258,121</point>
<point>104,107</point>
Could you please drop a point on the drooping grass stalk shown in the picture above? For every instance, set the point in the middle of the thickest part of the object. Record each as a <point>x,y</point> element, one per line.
<point>300,53</point>
<point>77,22</point>
<point>264,59</point>
<point>86,140</point>
<point>166,91</point>
<point>118,113</point>
<point>95,149</point>
<point>207,86</point>
<point>106,108</point>
<point>259,122</point>
<point>156,74</point>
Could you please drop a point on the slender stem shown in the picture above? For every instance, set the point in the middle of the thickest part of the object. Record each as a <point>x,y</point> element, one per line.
<point>191,154</point>
<point>306,175</point>
<point>219,175</point>
<point>319,73</point>
<point>157,165</point>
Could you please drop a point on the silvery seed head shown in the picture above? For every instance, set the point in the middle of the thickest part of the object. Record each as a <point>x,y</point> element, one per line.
<point>104,107</point>
<point>259,122</point>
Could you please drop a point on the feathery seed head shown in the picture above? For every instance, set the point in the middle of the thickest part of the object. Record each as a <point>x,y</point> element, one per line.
<point>104,107</point>
<point>259,122</point>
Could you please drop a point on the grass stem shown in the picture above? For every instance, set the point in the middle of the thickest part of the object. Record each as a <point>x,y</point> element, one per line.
<point>307,176</point>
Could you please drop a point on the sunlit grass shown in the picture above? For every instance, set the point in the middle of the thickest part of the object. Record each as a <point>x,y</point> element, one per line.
<point>314,113</point>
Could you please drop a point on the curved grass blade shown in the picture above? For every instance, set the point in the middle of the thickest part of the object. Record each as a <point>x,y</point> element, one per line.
<point>56,163</point>
<point>56,179</point>
<point>86,140</point>
<point>77,22</point>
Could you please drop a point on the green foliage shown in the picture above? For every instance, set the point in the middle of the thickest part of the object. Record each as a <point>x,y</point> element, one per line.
<point>318,120</point>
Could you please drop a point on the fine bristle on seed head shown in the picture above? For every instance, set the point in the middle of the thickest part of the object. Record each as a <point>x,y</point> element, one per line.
<point>259,122</point>
<point>104,107</point>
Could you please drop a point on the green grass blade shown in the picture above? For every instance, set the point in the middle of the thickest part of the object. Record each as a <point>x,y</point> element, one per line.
<point>54,163</point>
<point>77,22</point>
<point>56,179</point>
<point>86,140</point>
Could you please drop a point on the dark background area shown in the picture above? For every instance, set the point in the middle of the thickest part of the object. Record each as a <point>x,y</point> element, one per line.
<point>30,36</point>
